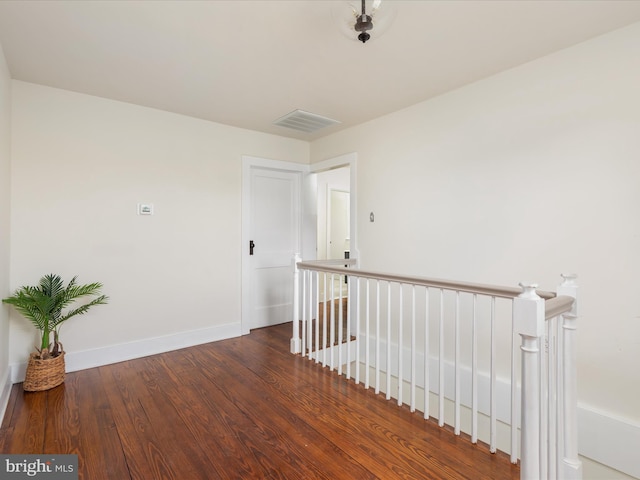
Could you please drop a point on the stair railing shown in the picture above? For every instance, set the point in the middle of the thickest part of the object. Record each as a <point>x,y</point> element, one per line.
<point>440,347</point>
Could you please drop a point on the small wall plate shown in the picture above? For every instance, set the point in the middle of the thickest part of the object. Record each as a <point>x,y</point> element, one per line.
<point>145,209</point>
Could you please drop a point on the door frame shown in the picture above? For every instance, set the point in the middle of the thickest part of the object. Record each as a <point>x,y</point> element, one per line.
<point>346,160</point>
<point>249,163</point>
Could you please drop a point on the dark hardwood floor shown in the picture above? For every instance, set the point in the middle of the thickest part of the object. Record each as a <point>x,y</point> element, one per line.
<point>236,409</point>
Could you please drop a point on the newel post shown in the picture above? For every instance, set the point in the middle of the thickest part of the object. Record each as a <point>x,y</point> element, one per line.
<point>528,317</point>
<point>571,466</point>
<point>294,346</point>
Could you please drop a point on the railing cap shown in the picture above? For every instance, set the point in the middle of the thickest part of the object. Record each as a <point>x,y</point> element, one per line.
<point>336,266</point>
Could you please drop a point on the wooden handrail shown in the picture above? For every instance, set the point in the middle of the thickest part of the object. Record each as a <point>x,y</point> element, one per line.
<point>558,305</point>
<point>318,264</point>
<point>336,266</point>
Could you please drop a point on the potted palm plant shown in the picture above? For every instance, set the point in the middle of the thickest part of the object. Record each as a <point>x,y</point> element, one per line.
<point>43,306</point>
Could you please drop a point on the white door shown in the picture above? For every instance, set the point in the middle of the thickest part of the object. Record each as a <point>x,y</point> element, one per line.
<point>338,223</point>
<point>338,228</point>
<point>272,238</point>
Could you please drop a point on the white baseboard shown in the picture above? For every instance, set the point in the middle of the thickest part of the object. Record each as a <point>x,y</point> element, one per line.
<point>5,391</point>
<point>608,440</point>
<point>140,348</point>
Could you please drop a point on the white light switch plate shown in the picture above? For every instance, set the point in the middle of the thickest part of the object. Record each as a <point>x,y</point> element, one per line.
<point>145,209</point>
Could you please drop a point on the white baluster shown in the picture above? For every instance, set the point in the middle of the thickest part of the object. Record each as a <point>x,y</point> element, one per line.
<point>358,335</point>
<point>324,322</point>
<point>412,402</point>
<point>492,388</point>
<point>310,313</point>
<point>426,354</point>
<point>349,326</point>
<point>316,306</point>
<point>400,343</point>
<point>456,422</point>
<point>340,325</point>
<point>515,400</point>
<point>553,364</point>
<point>304,322</point>
<point>332,325</point>
<point>377,380</point>
<point>474,373</point>
<point>388,392</point>
<point>441,362</point>
<point>367,358</point>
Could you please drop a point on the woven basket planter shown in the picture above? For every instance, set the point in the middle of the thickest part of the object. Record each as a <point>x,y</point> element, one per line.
<point>44,374</point>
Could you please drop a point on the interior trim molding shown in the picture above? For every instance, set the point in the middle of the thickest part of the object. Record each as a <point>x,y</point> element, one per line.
<point>5,392</point>
<point>137,349</point>
<point>611,441</point>
<point>346,160</point>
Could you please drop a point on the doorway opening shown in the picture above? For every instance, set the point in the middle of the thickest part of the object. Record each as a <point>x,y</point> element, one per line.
<point>334,213</point>
<point>334,220</point>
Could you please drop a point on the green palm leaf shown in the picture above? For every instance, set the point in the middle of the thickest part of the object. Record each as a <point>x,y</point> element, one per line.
<point>43,305</point>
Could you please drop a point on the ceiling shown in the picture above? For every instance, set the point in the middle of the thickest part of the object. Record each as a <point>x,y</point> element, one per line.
<point>247,63</point>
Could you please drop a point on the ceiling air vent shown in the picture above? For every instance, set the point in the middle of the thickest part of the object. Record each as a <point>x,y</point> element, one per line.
<point>304,121</point>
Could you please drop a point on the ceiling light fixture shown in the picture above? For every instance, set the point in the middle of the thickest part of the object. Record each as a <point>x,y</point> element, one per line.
<point>364,23</point>
<point>359,17</point>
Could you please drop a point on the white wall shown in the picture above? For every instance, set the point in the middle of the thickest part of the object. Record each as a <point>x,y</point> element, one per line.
<point>522,176</point>
<point>80,166</point>
<point>5,201</point>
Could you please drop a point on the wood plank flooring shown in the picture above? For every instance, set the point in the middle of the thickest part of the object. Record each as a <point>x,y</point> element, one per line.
<point>242,408</point>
